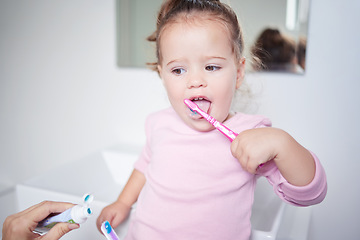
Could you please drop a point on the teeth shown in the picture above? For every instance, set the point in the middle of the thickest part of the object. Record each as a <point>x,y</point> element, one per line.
<point>196,99</point>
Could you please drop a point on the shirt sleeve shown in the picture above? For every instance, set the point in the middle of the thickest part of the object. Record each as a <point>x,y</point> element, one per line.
<point>311,194</point>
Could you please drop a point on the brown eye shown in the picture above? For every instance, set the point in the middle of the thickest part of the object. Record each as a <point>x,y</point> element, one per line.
<point>178,71</point>
<point>212,68</point>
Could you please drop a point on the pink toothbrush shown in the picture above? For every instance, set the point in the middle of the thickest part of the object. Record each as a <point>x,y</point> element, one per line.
<point>223,129</point>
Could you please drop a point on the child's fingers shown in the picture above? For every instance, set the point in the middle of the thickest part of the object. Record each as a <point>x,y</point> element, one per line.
<point>117,220</point>
<point>104,216</point>
<point>238,152</point>
<point>248,160</point>
<point>252,166</point>
<point>99,221</point>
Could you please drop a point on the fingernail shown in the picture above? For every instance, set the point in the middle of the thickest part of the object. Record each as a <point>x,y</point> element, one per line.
<point>73,226</point>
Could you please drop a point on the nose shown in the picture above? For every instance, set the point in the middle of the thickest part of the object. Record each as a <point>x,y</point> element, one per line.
<point>196,81</point>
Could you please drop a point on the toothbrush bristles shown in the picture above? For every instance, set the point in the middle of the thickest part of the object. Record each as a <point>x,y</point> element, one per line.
<point>193,111</point>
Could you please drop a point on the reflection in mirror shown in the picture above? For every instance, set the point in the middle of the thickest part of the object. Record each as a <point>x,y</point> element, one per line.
<point>136,20</point>
<point>274,51</point>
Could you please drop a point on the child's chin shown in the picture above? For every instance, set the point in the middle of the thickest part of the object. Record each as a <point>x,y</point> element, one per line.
<point>202,125</point>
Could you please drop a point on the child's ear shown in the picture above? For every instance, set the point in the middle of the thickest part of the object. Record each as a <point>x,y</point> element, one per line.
<point>240,72</point>
<point>159,69</point>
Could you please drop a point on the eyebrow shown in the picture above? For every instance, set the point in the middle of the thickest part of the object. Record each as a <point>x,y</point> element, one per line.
<point>207,57</point>
<point>172,61</point>
<point>211,57</point>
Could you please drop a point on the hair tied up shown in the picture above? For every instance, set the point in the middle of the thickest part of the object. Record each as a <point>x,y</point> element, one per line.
<point>201,1</point>
<point>171,10</point>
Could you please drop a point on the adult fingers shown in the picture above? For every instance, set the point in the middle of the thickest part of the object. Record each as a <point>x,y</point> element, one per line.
<point>44,209</point>
<point>59,230</point>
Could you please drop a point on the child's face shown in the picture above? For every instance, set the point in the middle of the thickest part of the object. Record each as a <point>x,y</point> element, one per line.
<point>198,62</point>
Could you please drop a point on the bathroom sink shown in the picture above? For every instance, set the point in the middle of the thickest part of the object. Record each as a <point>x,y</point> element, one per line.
<point>267,212</point>
<point>104,174</point>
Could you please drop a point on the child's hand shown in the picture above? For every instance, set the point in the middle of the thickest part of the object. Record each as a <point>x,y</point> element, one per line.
<point>256,146</point>
<point>115,213</point>
<point>118,211</point>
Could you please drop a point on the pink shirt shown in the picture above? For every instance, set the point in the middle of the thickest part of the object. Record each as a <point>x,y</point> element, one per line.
<point>196,189</point>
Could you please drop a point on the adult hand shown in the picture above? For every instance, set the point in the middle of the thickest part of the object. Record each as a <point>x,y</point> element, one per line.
<point>21,225</point>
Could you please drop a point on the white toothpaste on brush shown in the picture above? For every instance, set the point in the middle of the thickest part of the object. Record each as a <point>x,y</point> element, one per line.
<point>77,214</point>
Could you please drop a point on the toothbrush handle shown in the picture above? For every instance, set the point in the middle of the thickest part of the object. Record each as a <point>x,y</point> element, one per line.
<point>222,128</point>
<point>226,131</point>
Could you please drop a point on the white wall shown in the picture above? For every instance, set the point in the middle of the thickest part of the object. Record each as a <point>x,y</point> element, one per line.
<point>62,96</point>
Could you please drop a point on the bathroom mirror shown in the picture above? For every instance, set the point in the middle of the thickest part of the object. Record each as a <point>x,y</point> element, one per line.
<point>136,20</point>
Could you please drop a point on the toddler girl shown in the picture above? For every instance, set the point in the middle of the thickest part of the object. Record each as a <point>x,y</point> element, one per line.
<point>190,182</point>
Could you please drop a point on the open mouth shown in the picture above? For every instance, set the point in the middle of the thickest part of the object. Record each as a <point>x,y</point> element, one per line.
<point>203,103</point>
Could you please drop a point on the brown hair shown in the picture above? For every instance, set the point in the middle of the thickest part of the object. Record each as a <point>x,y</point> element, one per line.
<point>171,9</point>
<point>301,52</point>
<point>272,48</point>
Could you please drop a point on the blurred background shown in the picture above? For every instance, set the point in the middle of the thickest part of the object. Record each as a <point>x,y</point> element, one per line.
<point>63,96</point>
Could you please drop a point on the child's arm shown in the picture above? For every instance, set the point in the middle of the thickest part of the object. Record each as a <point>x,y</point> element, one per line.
<point>118,211</point>
<point>132,189</point>
<point>258,146</point>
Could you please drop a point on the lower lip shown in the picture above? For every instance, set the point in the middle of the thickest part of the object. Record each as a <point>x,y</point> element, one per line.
<point>194,115</point>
